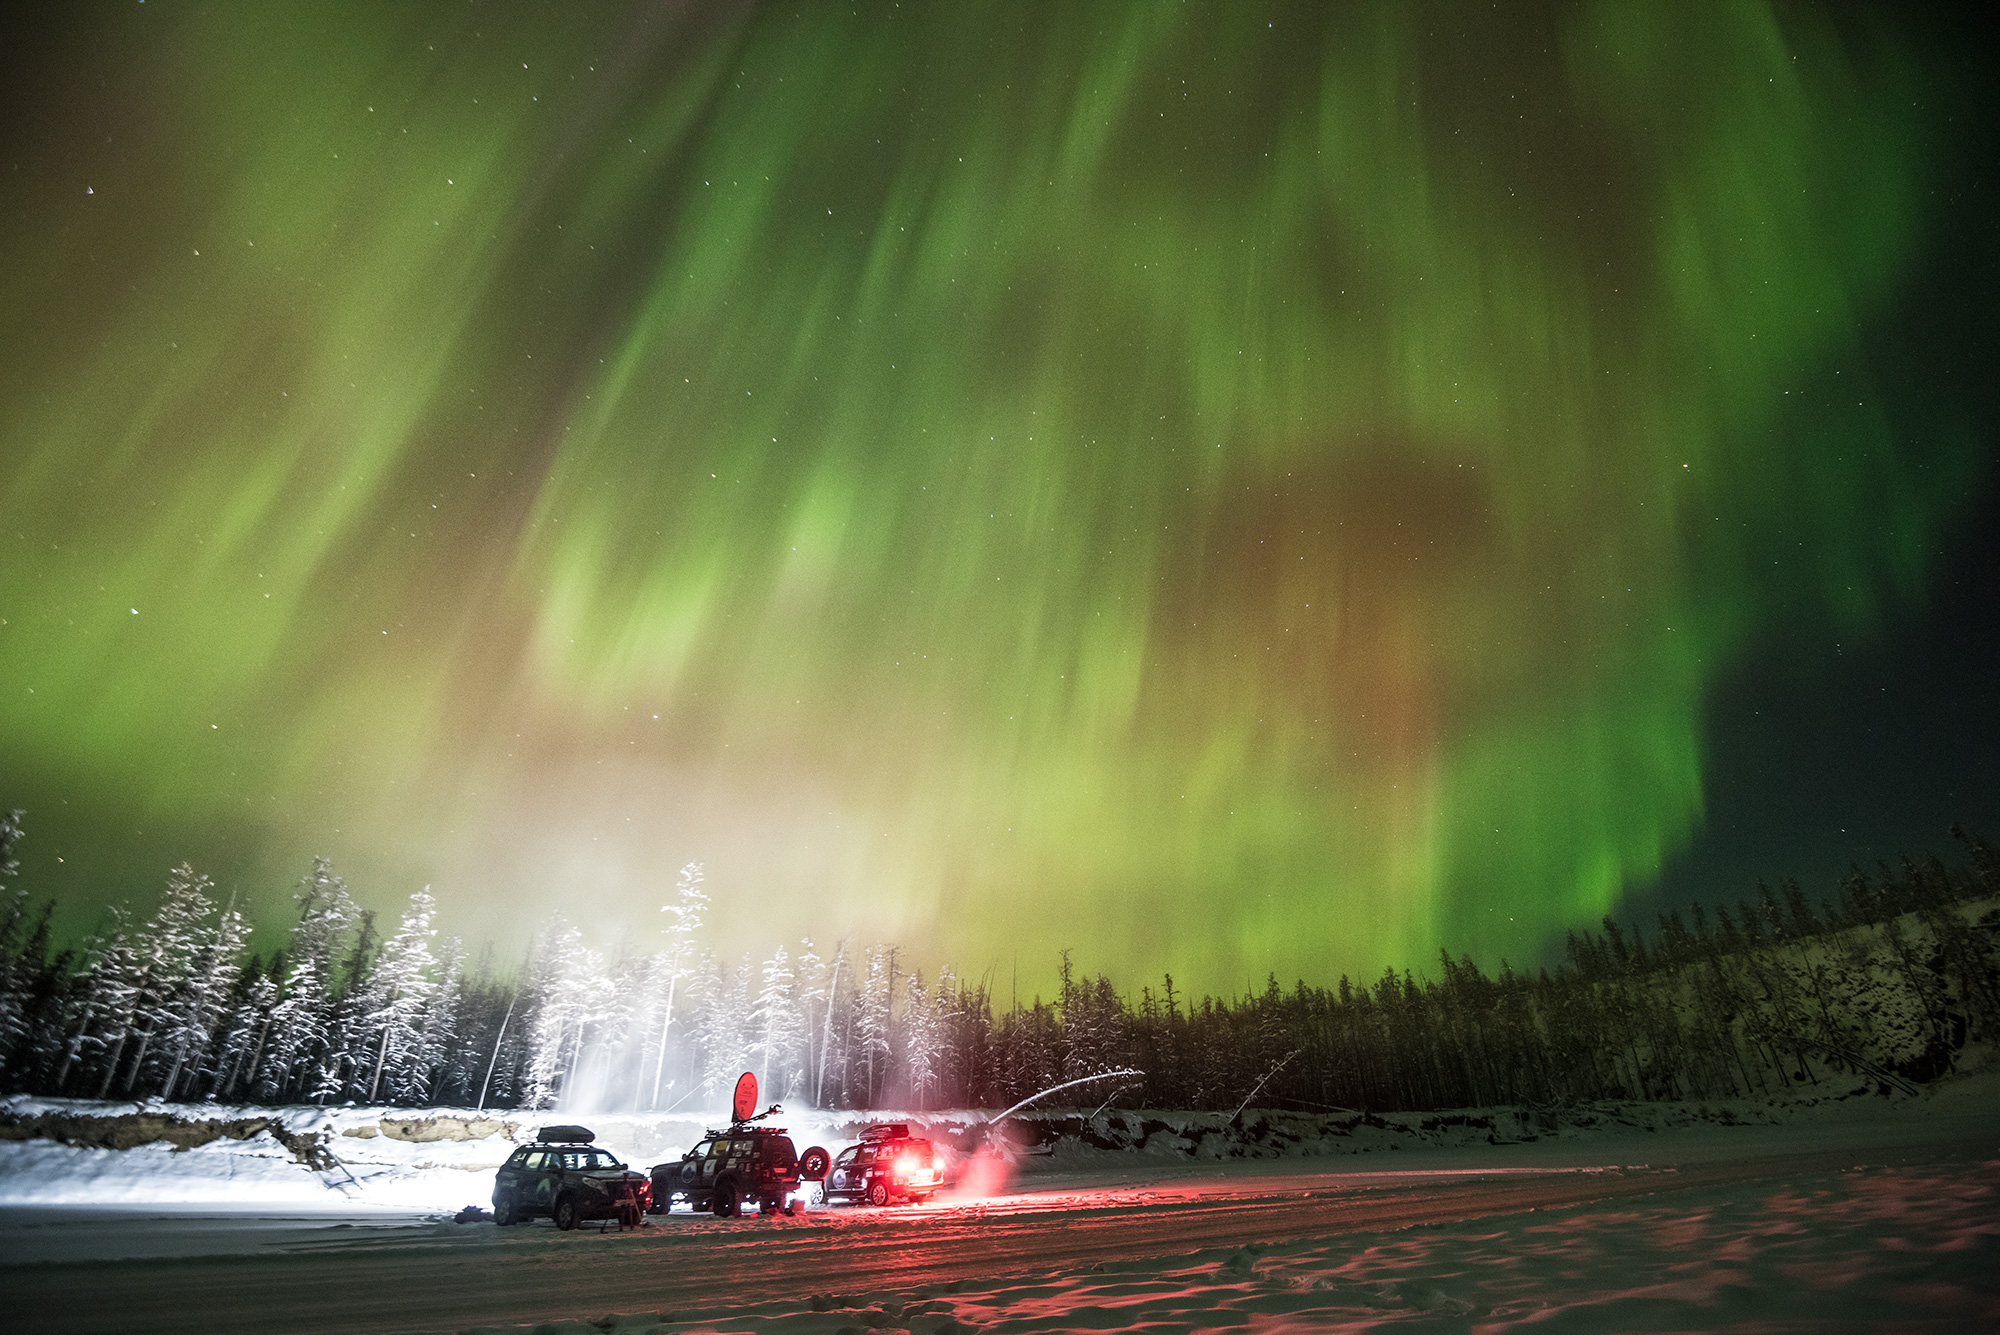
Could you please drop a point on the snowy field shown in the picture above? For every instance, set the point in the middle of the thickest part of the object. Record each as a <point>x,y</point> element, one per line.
<point>1852,1214</point>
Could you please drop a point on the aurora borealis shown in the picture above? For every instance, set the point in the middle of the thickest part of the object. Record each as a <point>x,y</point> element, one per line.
<point>1229,489</point>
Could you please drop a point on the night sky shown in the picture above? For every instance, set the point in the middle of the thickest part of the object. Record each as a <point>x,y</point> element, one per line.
<point>1229,489</point>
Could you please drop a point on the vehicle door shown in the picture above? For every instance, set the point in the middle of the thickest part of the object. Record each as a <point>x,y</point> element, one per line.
<point>742,1158</point>
<point>544,1169</point>
<point>868,1166</point>
<point>513,1173</point>
<point>841,1177</point>
<point>714,1159</point>
<point>576,1166</point>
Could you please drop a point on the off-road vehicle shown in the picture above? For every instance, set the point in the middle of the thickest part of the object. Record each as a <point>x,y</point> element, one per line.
<point>888,1165</point>
<point>731,1169</point>
<point>564,1176</point>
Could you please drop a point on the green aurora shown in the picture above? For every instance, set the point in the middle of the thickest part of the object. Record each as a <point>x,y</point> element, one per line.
<point>1228,489</point>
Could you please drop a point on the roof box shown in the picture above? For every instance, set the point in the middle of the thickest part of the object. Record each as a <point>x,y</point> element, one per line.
<point>886,1131</point>
<point>567,1135</point>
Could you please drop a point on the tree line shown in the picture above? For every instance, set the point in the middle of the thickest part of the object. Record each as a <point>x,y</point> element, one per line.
<point>1886,984</point>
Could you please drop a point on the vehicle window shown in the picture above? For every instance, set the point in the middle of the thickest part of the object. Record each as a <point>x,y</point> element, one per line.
<point>846,1159</point>
<point>518,1159</point>
<point>575,1159</point>
<point>718,1149</point>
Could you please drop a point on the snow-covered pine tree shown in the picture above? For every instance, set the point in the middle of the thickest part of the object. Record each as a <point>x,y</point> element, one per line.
<point>599,1072</point>
<point>243,1034</point>
<point>511,1013</point>
<point>441,1023</point>
<point>830,1066</point>
<point>969,1075</point>
<point>719,1019</point>
<point>395,998</point>
<point>169,950</point>
<point>100,1004</point>
<point>1093,1026</point>
<point>1029,1050</point>
<point>205,1000</point>
<point>874,1022</point>
<point>343,1070</point>
<point>296,1045</point>
<point>595,998</point>
<point>13,931</point>
<point>774,1028</point>
<point>808,981</point>
<point>922,1035</point>
<point>684,917</point>
<point>574,1004</point>
<point>547,1026</point>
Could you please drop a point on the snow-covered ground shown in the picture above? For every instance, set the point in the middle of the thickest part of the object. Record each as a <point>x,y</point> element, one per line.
<point>1845,1214</point>
<point>1881,1249</point>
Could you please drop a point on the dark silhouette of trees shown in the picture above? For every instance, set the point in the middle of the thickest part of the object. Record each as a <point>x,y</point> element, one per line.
<point>1887,986</point>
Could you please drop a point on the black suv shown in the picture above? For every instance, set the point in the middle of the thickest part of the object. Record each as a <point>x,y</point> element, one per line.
<point>888,1165</point>
<point>730,1169</point>
<point>564,1176</point>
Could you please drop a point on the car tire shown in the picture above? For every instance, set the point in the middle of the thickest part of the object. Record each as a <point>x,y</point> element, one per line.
<point>728,1201</point>
<point>878,1193</point>
<point>567,1215</point>
<point>813,1164</point>
<point>503,1211</point>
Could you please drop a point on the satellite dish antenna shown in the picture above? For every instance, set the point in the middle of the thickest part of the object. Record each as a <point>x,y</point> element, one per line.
<point>745,1102</point>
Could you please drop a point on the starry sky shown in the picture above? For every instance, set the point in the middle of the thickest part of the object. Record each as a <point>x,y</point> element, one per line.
<point>1230,489</point>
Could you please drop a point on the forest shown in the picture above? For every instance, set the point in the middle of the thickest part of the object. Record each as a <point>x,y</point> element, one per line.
<point>1885,984</point>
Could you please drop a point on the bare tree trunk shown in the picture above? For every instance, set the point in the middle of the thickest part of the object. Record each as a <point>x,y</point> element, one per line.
<point>382,1051</point>
<point>826,1042</point>
<point>666,1026</point>
<point>497,1038</point>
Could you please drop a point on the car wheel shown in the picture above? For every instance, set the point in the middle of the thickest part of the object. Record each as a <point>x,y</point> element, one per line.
<point>503,1211</point>
<point>813,1164</point>
<point>567,1215</point>
<point>728,1199</point>
<point>878,1193</point>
